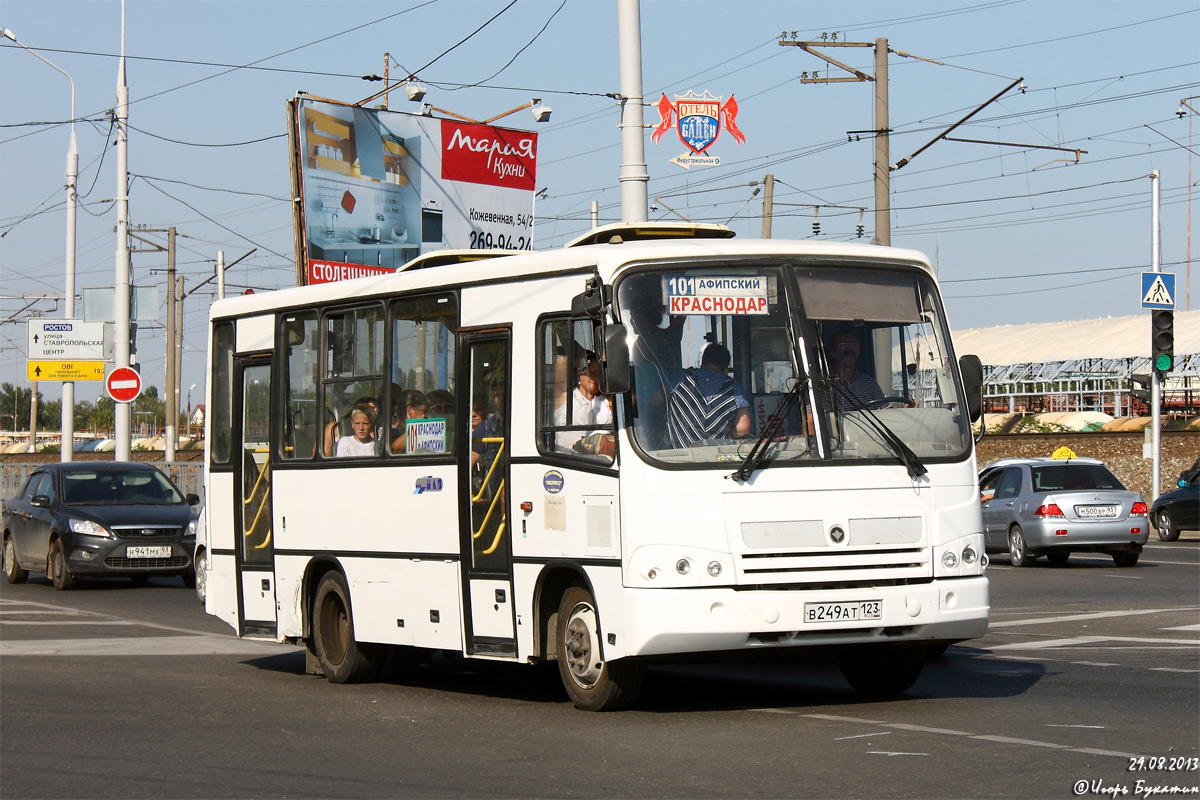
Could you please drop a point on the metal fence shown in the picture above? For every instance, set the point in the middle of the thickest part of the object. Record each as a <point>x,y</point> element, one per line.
<point>187,475</point>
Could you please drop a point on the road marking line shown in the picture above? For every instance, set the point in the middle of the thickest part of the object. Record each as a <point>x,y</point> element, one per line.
<point>1011,740</point>
<point>1097,727</point>
<point>1095,663</point>
<point>1095,615</point>
<point>1184,628</point>
<point>904,726</point>
<point>1049,643</point>
<point>863,736</point>
<point>68,612</point>
<point>49,623</point>
<point>950,732</point>
<point>891,753</point>
<point>1172,669</point>
<point>143,646</point>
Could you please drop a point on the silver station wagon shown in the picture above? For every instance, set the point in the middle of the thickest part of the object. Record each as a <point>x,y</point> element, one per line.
<point>1053,507</point>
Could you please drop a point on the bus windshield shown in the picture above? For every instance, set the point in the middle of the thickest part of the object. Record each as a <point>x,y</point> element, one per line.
<point>821,361</point>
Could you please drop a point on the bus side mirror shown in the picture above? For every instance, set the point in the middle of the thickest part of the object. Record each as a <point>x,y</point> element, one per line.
<point>613,374</point>
<point>972,375</point>
<point>593,300</point>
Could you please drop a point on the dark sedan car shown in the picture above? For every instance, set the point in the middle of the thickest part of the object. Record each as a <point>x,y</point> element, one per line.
<point>1178,510</point>
<point>99,519</point>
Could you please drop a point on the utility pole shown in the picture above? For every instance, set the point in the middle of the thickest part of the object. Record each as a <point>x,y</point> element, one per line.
<point>768,204</point>
<point>883,201</point>
<point>121,411</point>
<point>883,223</point>
<point>1155,377</point>
<point>169,361</point>
<point>634,177</point>
<point>176,388</point>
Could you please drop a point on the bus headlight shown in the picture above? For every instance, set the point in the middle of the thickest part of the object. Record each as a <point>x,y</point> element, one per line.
<point>968,555</point>
<point>714,568</point>
<point>949,559</point>
<point>683,566</point>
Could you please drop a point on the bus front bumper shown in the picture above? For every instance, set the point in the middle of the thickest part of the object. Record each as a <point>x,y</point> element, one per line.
<point>666,621</point>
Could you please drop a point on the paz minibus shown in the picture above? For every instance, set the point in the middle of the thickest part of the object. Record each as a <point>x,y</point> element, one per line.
<point>656,443</point>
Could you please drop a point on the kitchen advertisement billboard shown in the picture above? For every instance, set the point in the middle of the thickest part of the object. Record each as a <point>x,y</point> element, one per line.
<point>378,188</point>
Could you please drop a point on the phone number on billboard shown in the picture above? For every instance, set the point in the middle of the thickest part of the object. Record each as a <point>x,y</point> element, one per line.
<point>489,241</point>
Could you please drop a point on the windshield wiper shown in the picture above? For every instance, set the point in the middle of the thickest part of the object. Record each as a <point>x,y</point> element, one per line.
<point>758,452</point>
<point>907,457</point>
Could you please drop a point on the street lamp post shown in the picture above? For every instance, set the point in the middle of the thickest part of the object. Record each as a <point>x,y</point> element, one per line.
<point>68,388</point>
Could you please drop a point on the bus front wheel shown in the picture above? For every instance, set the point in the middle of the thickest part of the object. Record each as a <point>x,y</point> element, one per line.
<point>342,658</point>
<point>592,683</point>
<point>882,669</point>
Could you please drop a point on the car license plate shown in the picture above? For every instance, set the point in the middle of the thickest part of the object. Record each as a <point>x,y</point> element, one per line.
<point>161,551</point>
<point>843,612</point>
<point>1096,511</point>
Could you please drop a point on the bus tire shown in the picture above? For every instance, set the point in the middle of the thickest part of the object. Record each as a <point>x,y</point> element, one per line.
<point>342,658</point>
<point>881,669</point>
<point>592,683</point>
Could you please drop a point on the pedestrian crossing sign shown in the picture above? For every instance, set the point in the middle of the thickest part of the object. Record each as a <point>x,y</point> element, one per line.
<point>1158,290</point>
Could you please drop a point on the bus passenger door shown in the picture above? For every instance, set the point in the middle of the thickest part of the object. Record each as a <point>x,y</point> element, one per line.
<point>483,504</point>
<point>255,550</point>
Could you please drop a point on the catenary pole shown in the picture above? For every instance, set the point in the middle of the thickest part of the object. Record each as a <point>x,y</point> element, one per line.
<point>121,332</point>
<point>1155,379</point>
<point>634,177</point>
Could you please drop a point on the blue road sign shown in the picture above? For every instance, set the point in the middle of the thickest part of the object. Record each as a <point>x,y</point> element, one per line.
<point>1158,290</point>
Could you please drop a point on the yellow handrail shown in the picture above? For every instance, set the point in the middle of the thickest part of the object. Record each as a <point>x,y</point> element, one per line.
<point>496,541</point>
<point>495,501</point>
<point>496,460</point>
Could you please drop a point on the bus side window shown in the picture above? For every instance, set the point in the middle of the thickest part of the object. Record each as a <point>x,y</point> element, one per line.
<point>421,385</point>
<point>301,343</point>
<point>353,362</point>
<point>574,419</point>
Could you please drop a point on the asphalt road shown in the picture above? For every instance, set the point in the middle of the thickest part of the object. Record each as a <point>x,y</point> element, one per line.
<point>117,690</point>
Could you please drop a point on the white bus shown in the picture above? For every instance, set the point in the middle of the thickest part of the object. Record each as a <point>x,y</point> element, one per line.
<point>654,443</point>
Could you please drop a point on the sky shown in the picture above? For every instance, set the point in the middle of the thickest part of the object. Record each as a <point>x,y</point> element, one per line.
<point>1018,233</point>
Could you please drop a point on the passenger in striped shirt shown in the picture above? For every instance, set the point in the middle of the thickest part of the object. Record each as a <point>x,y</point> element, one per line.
<point>846,348</point>
<point>705,403</point>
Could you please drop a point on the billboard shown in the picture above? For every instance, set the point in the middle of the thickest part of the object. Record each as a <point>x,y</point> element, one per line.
<point>375,188</point>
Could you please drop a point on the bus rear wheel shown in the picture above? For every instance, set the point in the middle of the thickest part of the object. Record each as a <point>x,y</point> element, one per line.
<point>882,669</point>
<point>592,683</point>
<point>342,658</point>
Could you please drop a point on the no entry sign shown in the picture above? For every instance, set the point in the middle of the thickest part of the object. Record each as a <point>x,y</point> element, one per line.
<point>123,384</point>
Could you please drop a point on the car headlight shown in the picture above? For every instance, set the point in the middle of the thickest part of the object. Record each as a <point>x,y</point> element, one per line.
<point>89,528</point>
<point>191,529</point>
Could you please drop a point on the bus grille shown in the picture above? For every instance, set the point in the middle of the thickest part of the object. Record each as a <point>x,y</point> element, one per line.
<point>804,551</point>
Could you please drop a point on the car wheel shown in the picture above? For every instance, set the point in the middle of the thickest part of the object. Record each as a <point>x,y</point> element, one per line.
<point>201,581</point>
<point>882,669</point>
<point>12,570</point>
<point>1018,553</point>
<point>1166,527</point>
<point>1125,558</point>
<point>592,683</point>
<point>1057,559</point>
<point>342,658</point>
<point>60,574</point>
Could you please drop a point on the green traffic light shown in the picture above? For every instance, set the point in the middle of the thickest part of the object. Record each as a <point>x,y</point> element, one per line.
<point>1163,362</point>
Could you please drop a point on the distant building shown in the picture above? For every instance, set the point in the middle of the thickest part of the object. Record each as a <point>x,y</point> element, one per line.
<point>1085,365</point>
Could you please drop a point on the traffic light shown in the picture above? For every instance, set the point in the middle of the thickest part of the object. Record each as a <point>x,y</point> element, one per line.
<point>1141,380</point>
<point>1162,343</point>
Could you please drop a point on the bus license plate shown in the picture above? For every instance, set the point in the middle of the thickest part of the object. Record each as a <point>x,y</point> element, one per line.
<point>843,612</point>
<point>162,551</point>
